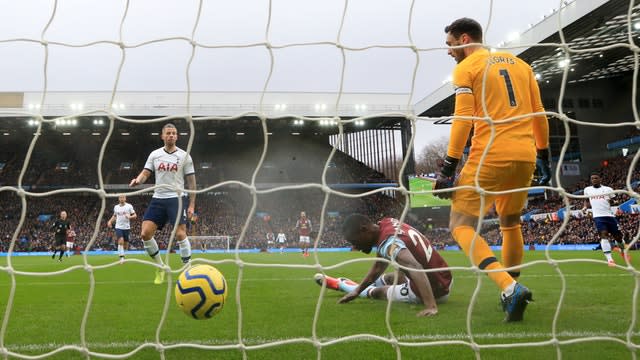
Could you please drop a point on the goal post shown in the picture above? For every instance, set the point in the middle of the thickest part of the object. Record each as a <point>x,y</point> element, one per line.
<point>206,243</point>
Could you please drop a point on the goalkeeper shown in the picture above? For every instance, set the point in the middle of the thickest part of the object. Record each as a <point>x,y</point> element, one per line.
<point>505,87</point>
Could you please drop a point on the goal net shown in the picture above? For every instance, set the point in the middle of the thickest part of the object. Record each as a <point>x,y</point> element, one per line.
<point>367,78</point>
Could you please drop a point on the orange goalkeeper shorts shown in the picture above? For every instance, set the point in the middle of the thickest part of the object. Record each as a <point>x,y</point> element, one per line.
<point>494,177</point>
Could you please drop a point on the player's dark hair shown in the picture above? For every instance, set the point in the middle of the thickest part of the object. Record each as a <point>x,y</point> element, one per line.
<point>352,224</point>
<point>465,26</point>
<point>169,125</point>
<point>595,173</point>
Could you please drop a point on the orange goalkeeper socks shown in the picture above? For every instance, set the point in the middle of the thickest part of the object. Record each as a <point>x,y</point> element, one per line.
<point>512,248</point>
<point>482,255</point>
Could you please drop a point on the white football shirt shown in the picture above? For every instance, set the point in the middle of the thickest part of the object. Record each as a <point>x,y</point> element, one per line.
<point>281,238</point>
<point>599,199</point>
<point>122,222</point>
<point>169,169</point>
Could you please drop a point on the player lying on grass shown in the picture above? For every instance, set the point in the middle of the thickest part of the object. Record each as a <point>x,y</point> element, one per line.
<point>382,288</point>
<point>405,245</point>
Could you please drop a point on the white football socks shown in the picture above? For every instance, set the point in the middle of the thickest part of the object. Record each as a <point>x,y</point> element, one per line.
<point>509,290</point>
<point>380,281</point>
<point>152,249</point>
<point>349,286</point>
<point>185,248</point>
<point>120,250</point>
<point>606,249</point>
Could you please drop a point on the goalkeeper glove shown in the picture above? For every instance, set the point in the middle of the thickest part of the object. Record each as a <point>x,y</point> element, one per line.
<point>543,159</point>
<point>445,178</point>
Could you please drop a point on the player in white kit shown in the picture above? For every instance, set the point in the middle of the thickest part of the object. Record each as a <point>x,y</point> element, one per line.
<point>171,166</point>
<point>281,241</point>
<point>123,213</point>
<point>603,217</point>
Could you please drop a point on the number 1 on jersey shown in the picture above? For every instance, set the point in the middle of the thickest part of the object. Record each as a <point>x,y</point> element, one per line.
<point>507,81</point>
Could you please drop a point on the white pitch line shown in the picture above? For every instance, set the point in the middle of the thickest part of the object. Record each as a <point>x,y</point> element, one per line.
<point>55,283</point>
<point>255,341</point>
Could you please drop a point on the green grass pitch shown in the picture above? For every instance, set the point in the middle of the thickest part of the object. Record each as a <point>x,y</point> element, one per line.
<point>424,200</point>
<point>279,303</point>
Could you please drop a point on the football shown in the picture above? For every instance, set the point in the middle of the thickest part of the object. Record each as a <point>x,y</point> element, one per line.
<point>201,291</point>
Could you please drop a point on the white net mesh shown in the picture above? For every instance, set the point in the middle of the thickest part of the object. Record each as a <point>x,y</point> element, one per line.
<point>265,114</point>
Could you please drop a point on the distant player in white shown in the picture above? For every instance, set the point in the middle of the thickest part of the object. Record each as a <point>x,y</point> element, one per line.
<point>171,166</point>
<point>281,240</point>
<point>123,213</point>
<point>603,216</point>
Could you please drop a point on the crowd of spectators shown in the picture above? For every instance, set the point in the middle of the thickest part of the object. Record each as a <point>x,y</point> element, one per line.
<point>221,213</point>
<point>226,212</point>
<point>614,175</point>
<point>579,230</point>
<point>62,162</point>
<point>291,161</point>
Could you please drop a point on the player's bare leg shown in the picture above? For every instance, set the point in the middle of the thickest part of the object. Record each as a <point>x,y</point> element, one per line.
<point>622,245</point>
<point>307,245</point>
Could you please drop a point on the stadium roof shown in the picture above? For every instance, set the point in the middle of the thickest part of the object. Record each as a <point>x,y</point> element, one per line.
<point>598,31</point>
<point>23,128</point>
<point>601,26</point>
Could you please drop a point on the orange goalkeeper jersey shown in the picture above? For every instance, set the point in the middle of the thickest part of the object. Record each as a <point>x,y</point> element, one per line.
<point>510,90</point>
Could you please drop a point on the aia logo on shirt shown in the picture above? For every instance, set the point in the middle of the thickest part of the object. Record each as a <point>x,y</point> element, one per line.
<point>167,167</point>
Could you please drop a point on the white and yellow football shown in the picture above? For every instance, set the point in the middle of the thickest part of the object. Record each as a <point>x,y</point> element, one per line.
<point>201,291</point>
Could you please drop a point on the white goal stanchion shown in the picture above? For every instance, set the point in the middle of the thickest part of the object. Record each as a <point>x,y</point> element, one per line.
<point>210,242</point>
<point>114,111</point>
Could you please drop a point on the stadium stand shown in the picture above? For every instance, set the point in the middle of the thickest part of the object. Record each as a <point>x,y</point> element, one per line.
<point>65,161</point>
<point>224,211</point>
